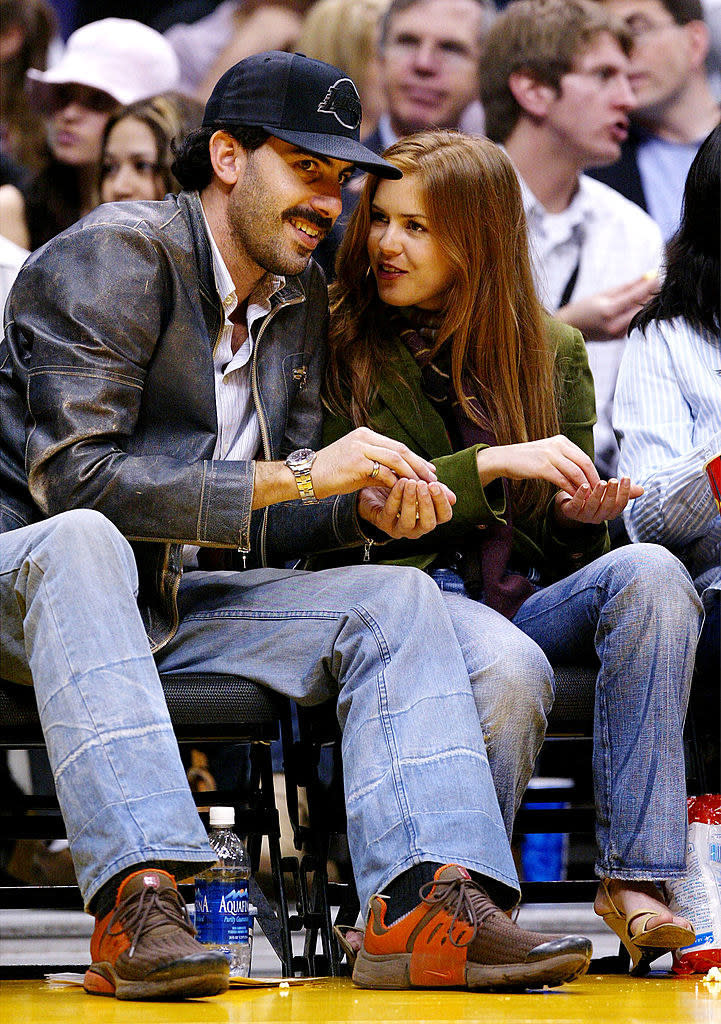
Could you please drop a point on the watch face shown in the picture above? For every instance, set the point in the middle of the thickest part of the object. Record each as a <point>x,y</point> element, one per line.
<point>301,459</point>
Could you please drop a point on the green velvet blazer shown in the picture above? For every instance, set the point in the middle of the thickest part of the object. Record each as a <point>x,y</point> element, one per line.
<point>402,411</point>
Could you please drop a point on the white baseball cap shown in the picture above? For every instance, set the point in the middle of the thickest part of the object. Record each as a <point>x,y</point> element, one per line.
<point>123,58</point>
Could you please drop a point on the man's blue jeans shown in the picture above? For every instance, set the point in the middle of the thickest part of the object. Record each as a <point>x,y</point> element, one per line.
<point>637,609</point>
<point>71,626</point>
<point>418,783</point>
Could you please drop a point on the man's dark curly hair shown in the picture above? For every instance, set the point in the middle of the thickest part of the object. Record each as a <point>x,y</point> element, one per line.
<point>192,166</point>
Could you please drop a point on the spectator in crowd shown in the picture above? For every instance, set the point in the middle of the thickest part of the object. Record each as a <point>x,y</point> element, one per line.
<point>668,404</point>
<point>556,93</point>
<point>437,339</point>
<point>27,28</point>
<point>12,258</point>
<point>137,147</point>
<point>675,108</point>
<point>235,29</point>
<point>345,33</point>
<point>429,52</point>
<point>185,406</point>
<point>105,64</point>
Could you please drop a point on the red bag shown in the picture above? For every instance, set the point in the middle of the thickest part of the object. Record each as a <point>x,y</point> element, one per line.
<point>697,895</point>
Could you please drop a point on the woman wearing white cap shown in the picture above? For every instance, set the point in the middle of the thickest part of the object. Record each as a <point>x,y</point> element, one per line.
<point>106,64</point>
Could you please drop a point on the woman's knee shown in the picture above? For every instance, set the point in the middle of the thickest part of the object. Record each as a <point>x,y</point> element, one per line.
<point>653,570</point>
<point>519,686</point>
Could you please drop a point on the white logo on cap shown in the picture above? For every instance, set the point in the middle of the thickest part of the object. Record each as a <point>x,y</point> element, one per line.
<point>343,102</point>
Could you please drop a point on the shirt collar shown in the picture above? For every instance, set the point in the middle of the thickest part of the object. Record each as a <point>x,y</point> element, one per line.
<point>577,214</point>
<point>385,132</point>
<point>268,285</point>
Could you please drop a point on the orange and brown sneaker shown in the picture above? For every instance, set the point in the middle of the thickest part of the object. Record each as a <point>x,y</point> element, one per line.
<point>145,948</point>
<point>458,938</point>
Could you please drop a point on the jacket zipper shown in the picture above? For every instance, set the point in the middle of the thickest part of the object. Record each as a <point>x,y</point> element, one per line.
<point>244,546</point>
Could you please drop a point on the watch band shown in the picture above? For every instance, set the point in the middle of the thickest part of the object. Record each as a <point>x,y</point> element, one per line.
<point>300,464</point>
<point>305,486</point>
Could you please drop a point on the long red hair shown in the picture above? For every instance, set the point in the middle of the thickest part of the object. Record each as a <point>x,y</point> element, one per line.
<point>495,323</point>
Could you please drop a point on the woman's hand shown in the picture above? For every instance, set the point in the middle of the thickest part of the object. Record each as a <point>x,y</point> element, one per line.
<point>350,463</point>
<point>605,501</point>
<point>409,509</point>
<point>555,459</point>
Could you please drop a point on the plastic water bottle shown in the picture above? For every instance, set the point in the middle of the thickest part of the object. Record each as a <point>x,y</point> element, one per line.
<point>222,916</point>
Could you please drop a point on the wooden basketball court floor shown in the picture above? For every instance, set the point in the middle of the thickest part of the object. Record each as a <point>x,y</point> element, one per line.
<point>595,999</point>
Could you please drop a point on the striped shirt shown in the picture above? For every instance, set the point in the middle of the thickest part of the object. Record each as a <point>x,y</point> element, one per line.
<point>668,413</point>
<point>238,428</point>
<point>237,418</point>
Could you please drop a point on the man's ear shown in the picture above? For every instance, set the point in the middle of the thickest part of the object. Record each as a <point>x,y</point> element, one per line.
<point>227,157</point>
<point>532,95</point>
<point>699,42</point>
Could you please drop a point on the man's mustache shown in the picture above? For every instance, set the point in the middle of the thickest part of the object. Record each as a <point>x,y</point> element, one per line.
<point>311,216</point>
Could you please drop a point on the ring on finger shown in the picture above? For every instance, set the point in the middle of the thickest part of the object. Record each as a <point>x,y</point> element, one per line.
<point>376,470</point>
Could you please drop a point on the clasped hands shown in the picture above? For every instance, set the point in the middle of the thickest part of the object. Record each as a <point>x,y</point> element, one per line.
<point>398,491</point>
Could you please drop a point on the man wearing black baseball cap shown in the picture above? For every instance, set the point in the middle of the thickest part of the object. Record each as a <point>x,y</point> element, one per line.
<point>162,364</point>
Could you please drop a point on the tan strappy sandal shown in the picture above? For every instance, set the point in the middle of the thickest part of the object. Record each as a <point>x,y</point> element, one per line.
<point>341,931</point>
<point>645,945</point>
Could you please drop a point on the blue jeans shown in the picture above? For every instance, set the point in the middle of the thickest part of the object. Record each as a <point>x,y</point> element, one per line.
<point>418,785</point>
<point>512,684</point>
<point>71,626</point>
<point>637,609</point>
<point>418,782</point>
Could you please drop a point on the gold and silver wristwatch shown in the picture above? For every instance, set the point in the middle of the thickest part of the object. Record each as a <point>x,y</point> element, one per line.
<point>300,463</point>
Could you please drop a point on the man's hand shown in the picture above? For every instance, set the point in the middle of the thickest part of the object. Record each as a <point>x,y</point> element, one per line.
<point>409,509</point>
<point>360,459</point>
<point>606,315</point>
<point>350,463</point>
<point>595,505</point>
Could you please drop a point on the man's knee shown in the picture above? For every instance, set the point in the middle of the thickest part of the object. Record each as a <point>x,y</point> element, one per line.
<point>83,534</point>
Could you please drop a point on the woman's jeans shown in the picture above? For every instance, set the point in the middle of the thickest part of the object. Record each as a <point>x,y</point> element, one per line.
<point>636,607</point>
<point>418,783</point>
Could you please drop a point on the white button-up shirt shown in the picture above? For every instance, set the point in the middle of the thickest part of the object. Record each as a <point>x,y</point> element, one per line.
<point>238,427</point>
<point>613,242</point>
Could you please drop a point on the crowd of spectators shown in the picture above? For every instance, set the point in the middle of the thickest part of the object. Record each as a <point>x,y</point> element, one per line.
<point>606,110</point>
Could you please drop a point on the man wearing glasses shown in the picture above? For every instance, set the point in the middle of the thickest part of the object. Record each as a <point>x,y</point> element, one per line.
<point>675,110</point>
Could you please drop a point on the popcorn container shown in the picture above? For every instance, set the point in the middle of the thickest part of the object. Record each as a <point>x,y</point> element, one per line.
<point>713,471</point>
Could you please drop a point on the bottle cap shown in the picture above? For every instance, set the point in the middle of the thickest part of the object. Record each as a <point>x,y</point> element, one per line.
<point>222,817</point>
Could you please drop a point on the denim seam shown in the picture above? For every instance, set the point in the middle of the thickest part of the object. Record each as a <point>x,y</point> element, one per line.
<point>51,609</point>
<point>385,717</point>
<point>110,736</point>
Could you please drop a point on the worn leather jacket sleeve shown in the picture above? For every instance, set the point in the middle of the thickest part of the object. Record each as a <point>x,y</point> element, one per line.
<point>86,330</point>
<point>291,529</point>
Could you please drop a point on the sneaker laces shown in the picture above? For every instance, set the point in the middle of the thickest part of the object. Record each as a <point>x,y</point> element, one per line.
<point>465,898</point>
<point>133,914</point>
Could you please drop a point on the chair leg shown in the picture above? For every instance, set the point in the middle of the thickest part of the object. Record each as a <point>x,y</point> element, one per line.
<point>276,927</point>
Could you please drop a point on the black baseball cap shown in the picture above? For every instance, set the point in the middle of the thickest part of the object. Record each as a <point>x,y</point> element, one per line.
<point>298,100</point>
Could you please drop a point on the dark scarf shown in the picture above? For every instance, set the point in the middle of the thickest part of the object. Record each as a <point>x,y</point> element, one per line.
<point>484,565</point>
